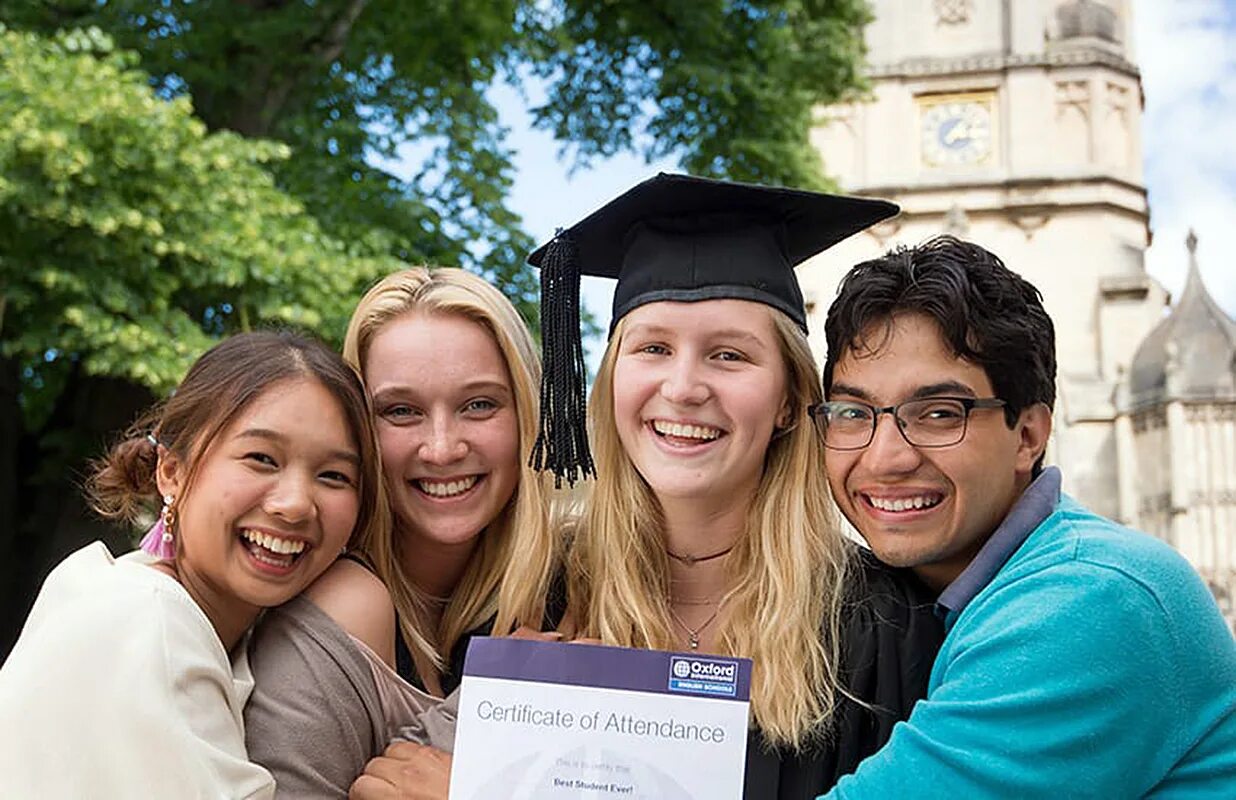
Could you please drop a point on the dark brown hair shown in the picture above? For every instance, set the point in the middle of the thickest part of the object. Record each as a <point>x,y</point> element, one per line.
<point>987,313</point>
<point>218,387</point>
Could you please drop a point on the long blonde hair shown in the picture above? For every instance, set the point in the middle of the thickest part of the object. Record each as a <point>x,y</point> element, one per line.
<point>495,581</point>
<point>787,575</point>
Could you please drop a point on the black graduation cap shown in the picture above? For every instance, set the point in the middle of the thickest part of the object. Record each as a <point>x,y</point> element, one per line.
<point>674,237</point>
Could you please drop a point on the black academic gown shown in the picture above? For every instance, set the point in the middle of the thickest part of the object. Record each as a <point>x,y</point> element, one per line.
<point>890,636</point>
<point>452,673</point>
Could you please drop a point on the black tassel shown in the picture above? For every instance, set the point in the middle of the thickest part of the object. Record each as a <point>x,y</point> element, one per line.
<point>562,443</point>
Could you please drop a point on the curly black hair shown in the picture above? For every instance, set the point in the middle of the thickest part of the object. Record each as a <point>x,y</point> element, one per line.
<point>987,313</point>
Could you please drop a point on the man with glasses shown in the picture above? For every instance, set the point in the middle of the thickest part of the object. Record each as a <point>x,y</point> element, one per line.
<point>1082,659</point>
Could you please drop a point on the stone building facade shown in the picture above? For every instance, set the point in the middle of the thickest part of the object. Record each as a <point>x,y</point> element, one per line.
<point>1016,124</point>
<point>1176,435</point>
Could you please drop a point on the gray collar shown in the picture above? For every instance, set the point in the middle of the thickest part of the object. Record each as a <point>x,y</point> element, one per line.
<point>1035,505</point>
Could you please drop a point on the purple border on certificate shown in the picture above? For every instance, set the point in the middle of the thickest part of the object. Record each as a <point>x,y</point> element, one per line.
<point>602,667</point>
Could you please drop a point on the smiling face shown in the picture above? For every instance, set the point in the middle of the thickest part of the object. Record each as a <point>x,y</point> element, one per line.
<point>698,390</point>
<point>447,426</point>
<point>273,500</point>
<point>928,508</point>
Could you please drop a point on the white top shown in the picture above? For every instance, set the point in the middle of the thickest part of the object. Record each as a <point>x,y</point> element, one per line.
<point>119,687</point>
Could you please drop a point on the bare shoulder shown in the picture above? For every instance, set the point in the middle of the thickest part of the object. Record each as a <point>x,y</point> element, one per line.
<point>359,602</point>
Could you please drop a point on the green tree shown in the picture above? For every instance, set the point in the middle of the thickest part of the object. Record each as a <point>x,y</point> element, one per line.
<point>129,236</point>
<point>726,87</point>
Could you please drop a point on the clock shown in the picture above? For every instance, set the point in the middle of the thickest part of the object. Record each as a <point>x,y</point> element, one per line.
<point>957,129</point>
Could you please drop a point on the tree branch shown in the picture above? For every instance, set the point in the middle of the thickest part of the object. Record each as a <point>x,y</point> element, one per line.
<point>324,49</point>
<point>331,45</point>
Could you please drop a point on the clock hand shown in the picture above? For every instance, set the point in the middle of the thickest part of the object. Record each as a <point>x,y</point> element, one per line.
<point>959,131</point>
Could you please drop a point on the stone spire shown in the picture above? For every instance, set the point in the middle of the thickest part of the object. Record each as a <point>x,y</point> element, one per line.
<point>1190,355</point>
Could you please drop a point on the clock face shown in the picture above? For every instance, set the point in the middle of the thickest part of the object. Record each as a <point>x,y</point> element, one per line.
<point>957,131</point>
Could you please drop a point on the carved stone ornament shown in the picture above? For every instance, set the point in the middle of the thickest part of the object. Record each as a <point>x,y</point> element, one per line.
<point>953,12</point>
<point>956,222</point>
<point>1075,94</point>
<point>883,231</point>
<point>1029,220</point>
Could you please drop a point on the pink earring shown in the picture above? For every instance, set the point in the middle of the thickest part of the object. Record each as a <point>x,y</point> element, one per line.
<point>160,540</point>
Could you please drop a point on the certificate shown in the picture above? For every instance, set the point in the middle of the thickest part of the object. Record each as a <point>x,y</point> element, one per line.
<point>554,720</point>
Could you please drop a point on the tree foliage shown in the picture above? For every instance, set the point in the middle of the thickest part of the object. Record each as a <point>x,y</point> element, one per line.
<point>350,86</point>
<point>130,236</point>
<point>726,87</point>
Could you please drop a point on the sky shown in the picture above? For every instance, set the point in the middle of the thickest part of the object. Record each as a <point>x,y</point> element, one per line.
<point>1186,50</point>
<point>1187,53</point>
<point>549,195</point>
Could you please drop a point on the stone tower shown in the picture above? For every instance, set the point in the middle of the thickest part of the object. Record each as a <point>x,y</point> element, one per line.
<point>1176,435</point>
<point>1015,124</point>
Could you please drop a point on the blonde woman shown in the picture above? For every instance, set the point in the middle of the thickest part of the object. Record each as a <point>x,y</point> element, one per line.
<point>451,373</point>
<point>709,526</point>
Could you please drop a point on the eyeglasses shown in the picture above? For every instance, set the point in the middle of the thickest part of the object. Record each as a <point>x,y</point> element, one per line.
<point>929,422</point>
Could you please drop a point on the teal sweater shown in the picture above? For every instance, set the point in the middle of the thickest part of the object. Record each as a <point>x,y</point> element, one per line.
<point>1095,664</point>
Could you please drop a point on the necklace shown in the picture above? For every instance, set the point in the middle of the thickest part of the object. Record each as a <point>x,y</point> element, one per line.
<point>693,634</point>
<point>707,602</point>
<point>691,561</point>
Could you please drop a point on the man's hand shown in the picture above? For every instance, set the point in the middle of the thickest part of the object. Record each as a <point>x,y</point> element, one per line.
<point>405,771</point>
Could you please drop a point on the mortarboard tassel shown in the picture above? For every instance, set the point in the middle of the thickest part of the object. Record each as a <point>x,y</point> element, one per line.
<point>562,443</point>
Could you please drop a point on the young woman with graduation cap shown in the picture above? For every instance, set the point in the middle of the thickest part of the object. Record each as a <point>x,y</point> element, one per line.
<point>710,526</point>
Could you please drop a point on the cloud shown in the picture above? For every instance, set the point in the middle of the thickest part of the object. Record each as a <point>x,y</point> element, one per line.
<point>1187,53</point>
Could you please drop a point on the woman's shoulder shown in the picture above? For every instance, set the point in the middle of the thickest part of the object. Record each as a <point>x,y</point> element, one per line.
<point>359,603</point>
<point>92,601</point>
<point>96,592</point>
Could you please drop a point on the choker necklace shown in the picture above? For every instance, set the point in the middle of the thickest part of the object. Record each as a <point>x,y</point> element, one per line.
<point>693,634</point>
<point>691,561</point>
<point>681,602</point>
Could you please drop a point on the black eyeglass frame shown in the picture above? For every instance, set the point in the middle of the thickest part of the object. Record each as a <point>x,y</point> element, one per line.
<point>818,410</point>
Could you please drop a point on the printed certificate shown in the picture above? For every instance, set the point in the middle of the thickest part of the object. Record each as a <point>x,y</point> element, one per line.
<point>540,720</point>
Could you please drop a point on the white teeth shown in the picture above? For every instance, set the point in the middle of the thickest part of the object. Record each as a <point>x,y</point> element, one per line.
<point>685,431</point>
<point>904,503</point>
<point>447,488</point>
<point>265,559</point>
<point>272,543</point>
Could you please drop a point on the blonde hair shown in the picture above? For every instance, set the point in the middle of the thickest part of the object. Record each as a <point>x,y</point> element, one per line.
<point>494,582</point>
<point>787,574</point>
